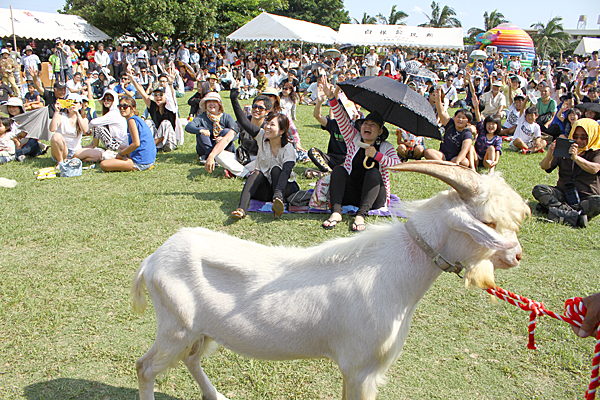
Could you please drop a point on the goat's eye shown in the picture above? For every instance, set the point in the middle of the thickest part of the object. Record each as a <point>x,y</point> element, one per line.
<point>490,224</point>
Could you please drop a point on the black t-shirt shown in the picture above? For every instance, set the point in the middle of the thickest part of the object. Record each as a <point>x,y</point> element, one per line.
<point>49,99</point>
<point>158,118</point>
<point>5,92</point>
<point>337,147</point>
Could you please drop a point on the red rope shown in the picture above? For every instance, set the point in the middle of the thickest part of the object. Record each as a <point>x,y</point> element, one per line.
<point>574,313</point>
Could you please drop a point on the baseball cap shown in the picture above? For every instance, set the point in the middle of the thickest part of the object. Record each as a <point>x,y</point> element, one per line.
<point>497,83</point>
<point>60,85</point>
<point>159,89</point>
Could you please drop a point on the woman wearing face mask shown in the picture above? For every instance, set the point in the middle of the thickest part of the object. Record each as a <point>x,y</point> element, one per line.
<point>67,127</point>
<point>274,178</point>
<point>353,183</point>
<point>140,153</point>
<point>576,197</point>
<point>110,129</point>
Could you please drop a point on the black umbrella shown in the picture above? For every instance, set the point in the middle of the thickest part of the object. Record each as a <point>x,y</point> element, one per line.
<point>396,102</point>
<point>589,106</point>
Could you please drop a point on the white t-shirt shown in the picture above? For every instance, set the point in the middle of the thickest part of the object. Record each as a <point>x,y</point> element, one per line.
<point>72,86</point>
<point>72,138</point>
<point>527,132</point>
<point>512,116</point>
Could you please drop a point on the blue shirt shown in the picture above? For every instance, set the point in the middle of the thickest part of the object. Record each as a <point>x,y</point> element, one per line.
<point>146,152</point>
<point>119,89</point>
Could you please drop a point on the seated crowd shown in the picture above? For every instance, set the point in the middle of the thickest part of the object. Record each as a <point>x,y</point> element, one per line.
<point>531,108</point>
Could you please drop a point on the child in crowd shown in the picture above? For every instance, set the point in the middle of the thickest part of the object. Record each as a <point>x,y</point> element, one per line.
<point>409,146</point>
<point>488,145</point>
<point>33,99</point>
<point>528,134</point>
<point>7,145</point>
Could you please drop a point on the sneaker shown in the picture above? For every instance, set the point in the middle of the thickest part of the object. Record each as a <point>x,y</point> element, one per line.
<point>202,160</point>
<point>541,151</point>
<point>525,151</point>
<point>21,158</point>
<point>582,222</point>
<point>229,174</point>
<point>564,215</point>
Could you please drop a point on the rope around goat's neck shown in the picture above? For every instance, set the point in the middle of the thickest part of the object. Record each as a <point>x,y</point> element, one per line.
<point>574,313</point>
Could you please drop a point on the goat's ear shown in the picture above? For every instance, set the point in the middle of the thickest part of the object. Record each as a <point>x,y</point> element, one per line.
<point>463,221</point>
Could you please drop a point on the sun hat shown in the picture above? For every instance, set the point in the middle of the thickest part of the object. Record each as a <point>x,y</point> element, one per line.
<point>4,51</point>
<point>378,119</point>
<point>213,76</point>
<point>211,96</point>
<point>497,83</point>
<point>28,47</point>
<point>12,101</point>
<point>270,91</point>
<point>261,70</point>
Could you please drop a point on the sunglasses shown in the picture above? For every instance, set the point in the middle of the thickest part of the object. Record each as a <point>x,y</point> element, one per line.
<point>257,107</point>
<point>123,106</point>
<point>580,137</point>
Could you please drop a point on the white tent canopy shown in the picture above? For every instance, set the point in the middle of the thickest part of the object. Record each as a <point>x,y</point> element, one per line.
<point>274,27</point>
<point>41,25</point>
<point>401,35</point>
<point>587,46</point>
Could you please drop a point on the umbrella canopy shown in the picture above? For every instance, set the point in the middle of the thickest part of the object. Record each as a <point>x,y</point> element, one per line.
<point>396,102</point>
<point>589,106</point>
<point>36,123</point>
<point>412,65</point>
<point>314,67</point>
<point>332,53</point>
<point>478,55</point>
<point>423,73</point>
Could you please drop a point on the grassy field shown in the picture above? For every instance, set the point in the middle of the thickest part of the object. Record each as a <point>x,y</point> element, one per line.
<point>70,247</point>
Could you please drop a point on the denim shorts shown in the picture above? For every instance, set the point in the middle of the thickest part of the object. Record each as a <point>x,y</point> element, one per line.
<point>142,167</point>
<point>70,155</point>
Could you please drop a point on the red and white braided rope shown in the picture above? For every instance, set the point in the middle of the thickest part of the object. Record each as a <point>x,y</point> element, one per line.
<point>574,313</point>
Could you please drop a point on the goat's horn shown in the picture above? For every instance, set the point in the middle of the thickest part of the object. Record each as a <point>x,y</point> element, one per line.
<point>464,180</point>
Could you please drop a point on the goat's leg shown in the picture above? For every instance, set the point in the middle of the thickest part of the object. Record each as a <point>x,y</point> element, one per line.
<point>193,364</point>
<point>355,388</point>
<point>155,361</point>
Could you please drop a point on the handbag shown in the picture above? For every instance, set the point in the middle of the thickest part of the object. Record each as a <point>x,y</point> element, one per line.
<point>320,197</point>
<point>242,155</point>
<point>70,168</point>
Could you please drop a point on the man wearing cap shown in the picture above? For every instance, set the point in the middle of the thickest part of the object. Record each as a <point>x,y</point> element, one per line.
<point>494,101</point>
<point>50,97</point>
<point>125,87</point>
<point>273,77</point>
<point>291,78</point>
<point>30,60</point>
<point>195,59</point>
<point>165,120</point>
<point>263,81</point>
<point>8,67</point>
<point>64,54</point>
<point>371,60</point>
<point>458,82</point>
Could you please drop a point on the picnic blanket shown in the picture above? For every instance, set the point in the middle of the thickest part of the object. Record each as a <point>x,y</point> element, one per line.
<point>393,209</point>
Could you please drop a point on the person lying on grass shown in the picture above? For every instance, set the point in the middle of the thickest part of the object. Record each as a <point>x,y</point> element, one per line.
<point>488,145</point>
<point>140,155</point>
<point>456,145</point>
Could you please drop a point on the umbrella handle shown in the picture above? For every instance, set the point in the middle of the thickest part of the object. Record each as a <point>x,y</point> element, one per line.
<point>365,163</point>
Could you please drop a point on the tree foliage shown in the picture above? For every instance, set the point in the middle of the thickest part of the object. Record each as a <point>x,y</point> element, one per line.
<point>147,20</point>
<point>396,17</point>
<point>366,20</point>
<point>441,17</point>
<point>549,37</point>
<point>490,21</point>
<point>329,13</point>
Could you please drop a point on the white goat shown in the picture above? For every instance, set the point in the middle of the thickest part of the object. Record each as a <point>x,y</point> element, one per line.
<point>350,300</point>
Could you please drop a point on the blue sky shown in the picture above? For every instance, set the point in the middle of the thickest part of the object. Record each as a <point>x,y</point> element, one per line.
<point>470,13</point>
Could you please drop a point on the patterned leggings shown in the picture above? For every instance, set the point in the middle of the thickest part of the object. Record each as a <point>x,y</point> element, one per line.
<point>103,134</point>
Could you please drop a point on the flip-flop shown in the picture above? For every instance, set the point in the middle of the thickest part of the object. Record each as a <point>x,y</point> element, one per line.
<point>355,227</point>
<point>278,207</point>
<point>238,214</point>
<point>332,224</point>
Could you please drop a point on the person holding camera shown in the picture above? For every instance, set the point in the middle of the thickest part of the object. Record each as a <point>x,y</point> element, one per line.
<point>576,197</point>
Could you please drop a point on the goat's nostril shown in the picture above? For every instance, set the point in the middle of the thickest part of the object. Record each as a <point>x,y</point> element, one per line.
<point>519,256</point>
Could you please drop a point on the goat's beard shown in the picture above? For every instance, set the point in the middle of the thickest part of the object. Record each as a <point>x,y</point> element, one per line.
<point>481,275</point>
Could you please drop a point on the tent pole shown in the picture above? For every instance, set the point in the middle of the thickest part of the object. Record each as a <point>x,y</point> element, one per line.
<point>12,22</point>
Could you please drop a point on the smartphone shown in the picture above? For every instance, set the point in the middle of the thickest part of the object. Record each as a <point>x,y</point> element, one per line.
<point>562,147</point>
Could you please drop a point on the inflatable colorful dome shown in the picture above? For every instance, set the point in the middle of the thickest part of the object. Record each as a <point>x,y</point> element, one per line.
<point>509,40</point>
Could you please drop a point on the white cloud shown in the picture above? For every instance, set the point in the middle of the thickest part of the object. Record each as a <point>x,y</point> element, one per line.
<point>416,9</point>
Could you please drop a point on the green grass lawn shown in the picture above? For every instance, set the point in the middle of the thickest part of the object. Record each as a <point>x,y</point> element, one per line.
<point>70,247</point>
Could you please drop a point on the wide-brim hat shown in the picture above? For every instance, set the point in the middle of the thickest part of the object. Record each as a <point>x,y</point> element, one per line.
<point>378,119</point>
<point>12,101</point>
<point>213,76</point>
<point>270,91</point>
<point>211,96</point>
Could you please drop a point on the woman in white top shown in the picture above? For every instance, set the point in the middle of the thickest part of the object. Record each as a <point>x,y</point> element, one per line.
<point>67,127</point>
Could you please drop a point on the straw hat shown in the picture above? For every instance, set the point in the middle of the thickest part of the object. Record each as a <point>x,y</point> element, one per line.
<point>210,96</point>
<point>270,91</point>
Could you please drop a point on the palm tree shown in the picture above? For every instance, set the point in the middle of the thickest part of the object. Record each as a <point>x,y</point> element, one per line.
<point>441,18</point>
<point>549,37</point>
<point>395,17</point>
<point>366,20</point>
<point>490,21</point>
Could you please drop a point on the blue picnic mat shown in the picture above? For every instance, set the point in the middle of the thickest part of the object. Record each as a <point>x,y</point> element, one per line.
<point>393,209</point>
